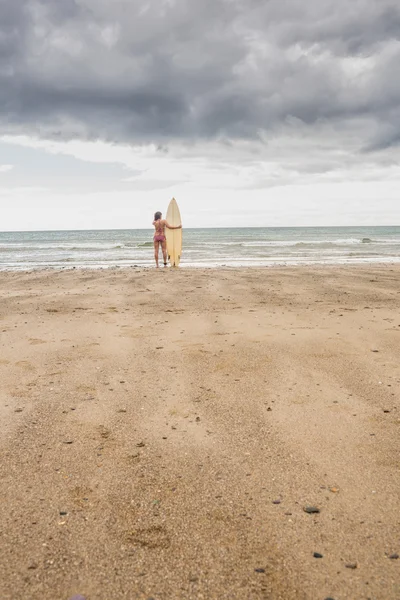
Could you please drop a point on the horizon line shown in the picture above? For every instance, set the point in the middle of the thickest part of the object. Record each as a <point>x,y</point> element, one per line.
<point>196,228</point>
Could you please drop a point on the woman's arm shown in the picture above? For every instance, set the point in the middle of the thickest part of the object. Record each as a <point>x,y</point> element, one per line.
<point>172,227</point>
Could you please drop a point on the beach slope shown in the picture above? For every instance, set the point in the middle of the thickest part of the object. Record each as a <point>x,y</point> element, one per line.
<point>177,434</point>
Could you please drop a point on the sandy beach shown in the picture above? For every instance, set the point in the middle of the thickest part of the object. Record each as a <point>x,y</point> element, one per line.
<point>164,431</point>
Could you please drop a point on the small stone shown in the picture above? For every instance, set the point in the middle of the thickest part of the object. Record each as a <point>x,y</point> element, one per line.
<point>334,490</point>
<point>197,419</point>
<point>63,513</point>
<point>276,502</point>
<point>317,555</point>
<point>353,565</point>
<point>311,510</point>
<point>193,579</point>
<point>269,409</point>
<point>374,350</point>
<point>259,570</point>
<point>386,410</point>
<point>68,442</point>
<point>18,410</point>
<point>394,556</point>
<point>141,445</point>
<point>33,566</point>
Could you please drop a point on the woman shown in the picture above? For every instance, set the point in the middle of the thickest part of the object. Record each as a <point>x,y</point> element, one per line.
<point>159,236</point>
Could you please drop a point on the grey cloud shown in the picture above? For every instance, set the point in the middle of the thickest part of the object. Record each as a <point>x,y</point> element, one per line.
<point>350,28</point>
<point>161,71</point>
<point>13,29</point>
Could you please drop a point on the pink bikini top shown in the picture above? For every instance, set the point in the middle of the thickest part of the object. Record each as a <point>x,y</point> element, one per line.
<point>159,227</point>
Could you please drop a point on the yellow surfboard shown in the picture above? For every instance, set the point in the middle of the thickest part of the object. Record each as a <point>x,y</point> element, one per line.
<point>174,236</point>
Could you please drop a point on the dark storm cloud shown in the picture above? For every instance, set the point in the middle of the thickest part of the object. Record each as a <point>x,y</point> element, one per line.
<point>141,71</point>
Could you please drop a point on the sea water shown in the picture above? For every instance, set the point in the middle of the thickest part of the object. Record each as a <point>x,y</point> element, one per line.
<point>258,246</point>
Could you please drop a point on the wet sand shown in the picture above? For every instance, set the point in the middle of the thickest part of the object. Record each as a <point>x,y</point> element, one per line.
<point>163,431</point>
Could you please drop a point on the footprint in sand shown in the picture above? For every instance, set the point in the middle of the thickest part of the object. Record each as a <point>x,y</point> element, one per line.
<point>85,388</point>
<point>19,393</point>
<point>24,364</point>
<point>149,537</point>
<point>104,432</point>
<point>81,495</point>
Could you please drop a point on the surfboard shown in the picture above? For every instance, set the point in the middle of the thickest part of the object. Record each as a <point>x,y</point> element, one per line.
<point>174,236</point>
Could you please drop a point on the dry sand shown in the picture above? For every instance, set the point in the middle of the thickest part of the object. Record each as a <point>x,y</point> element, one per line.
<point>162,432</point>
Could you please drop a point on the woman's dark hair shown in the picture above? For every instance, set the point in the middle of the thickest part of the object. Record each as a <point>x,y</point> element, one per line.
<point>157,216</point>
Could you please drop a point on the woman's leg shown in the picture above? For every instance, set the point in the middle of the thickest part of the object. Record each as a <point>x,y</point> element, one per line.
<point>156,252</point>
<point>164,251</point>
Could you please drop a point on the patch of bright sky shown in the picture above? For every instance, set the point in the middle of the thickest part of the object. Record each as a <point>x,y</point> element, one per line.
<point>6,168</point>
<point>86,185</point>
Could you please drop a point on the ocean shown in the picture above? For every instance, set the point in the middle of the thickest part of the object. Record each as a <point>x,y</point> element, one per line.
<point>259,246</point>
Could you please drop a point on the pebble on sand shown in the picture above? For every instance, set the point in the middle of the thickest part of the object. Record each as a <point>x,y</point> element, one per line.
<point>318,555</point>
<point>352,565</point>
<point>311,510</point>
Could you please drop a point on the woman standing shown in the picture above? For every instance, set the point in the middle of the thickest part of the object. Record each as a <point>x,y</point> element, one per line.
<point>159,236</point>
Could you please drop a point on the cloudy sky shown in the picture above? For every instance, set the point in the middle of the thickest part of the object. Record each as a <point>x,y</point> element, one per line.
<point>249,112</point>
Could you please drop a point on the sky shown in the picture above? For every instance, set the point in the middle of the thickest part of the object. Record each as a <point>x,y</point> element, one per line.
<point>248,112</point>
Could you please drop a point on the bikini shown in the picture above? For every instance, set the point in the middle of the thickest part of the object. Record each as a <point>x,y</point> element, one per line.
<point>159,234</point>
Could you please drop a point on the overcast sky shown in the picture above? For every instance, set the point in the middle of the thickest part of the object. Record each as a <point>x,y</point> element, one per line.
<point>249,112</point>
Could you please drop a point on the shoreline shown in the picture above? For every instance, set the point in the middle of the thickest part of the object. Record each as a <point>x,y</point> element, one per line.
<point>162,435</point>
<point>194,266</point>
